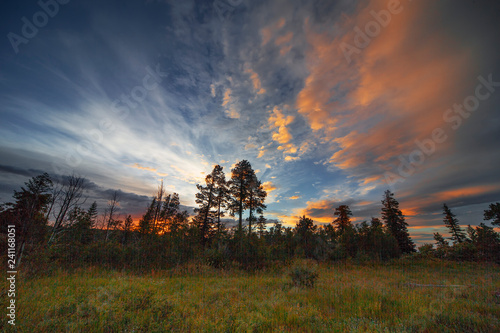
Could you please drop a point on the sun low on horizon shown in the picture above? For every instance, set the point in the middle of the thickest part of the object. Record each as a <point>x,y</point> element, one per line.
<point>332,102</point>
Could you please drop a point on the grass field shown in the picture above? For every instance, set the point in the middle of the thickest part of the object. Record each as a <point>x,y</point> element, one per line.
<point>346,297</point>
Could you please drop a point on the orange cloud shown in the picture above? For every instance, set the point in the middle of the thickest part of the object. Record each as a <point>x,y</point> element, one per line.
<point>138,166</point>
<point>320,211</point>
<point>447,196</point>
<point>228,104</point>
<point>267,32</point>
<point>257,85</point>
<point>295,197</point>
<point>465,192</point>
<point>393,92</point>
<point>277,120</point>
<point>269,186</point>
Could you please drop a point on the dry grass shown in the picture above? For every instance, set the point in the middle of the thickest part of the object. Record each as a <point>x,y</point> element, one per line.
<point>346,297</point>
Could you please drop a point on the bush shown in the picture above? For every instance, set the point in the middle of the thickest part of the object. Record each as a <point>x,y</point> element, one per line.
<point>426,251</point>
<point>303,277</point>
<point>216,258</point>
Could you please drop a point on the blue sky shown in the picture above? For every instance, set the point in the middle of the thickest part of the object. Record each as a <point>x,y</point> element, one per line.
<point>127,93</point>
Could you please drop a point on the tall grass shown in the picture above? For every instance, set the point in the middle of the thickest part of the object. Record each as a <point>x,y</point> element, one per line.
<point>346,297</point>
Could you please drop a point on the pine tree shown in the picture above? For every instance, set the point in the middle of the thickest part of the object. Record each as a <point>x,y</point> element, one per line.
<point>241,176</point>
<point>127,228</point>
<point>343,220</point>
<point>493,214</point>
<point>261,225</point>
<point>451,222</point>
<point>305,230</point>
<point>440,241</point>
<point>146,222</point>
<point>221,194</point>
<point>170,213</point>
<point>92,214</point>
<point>29,212</point>
<point>395,222</point>
<point>213,199</point>
<point>255,200</point>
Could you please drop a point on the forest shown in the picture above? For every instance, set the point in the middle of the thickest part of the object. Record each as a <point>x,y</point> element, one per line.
<point>54,229</point>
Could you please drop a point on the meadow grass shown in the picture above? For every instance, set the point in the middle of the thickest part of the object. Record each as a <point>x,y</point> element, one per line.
<point>345,298</point>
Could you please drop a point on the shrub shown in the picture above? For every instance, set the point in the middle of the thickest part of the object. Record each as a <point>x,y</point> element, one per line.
<point>216,258</point>
<point>303,277</point>
<point>426,251</point>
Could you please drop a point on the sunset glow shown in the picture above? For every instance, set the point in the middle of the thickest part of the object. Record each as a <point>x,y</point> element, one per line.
<point>332,102</point>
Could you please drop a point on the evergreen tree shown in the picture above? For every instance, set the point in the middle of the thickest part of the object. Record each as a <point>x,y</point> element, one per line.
<point>212,195</point>
<point>343,220</point>
<point>487,243</point>
<point>451,222</point>
<point>255,200</point>
<point>171,217</point>
<point>261,225</point>
<point>440,241</point>
<point>92,214</point>
<point>493,214</point>
<point>146,222</point>
<point>305,230</point>
<point>395,222</point>
<point>221,194</point>
<point>127,229</point>
<point>241,176</point>
<point>29,212</point>
<point>471,232</point>
<point>79,226</point>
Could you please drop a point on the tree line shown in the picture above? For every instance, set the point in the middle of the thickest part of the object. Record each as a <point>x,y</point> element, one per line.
<point>52,227</point>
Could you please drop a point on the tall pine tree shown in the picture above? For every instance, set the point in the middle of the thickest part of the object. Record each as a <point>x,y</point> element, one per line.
<point>343,220</point>
<point>206,199</point>
<point>451,222</point>
<point>395,222</point>
<point>241,176</point>
<point>255,199</point>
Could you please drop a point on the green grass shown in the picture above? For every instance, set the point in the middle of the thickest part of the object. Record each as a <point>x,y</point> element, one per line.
<point>346,297</point>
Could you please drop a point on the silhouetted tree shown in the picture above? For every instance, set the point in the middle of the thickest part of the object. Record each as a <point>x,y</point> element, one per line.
<point>305,230</point>
<point>221,194</point>
<point>261,226</point>
<point>29,212</point>
<point>451,222</point>
<point>241,176</point>
<point>127,229</point>
<point>79,225</point>
<point>171,217</point>
<point>493,214</point>
<point>441,244</point>
<point>69,197</point>
<point>395,222</point>
<point>146,222</point>
<point>208,197</point>
<point>487,243</point>
<point>112,223</point>
<point>343,220</point>
<point>255,199</point>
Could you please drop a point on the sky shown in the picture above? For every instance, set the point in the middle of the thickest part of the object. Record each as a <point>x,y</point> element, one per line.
<point>332,102</point>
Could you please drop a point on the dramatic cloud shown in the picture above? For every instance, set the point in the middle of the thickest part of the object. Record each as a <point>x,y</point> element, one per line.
<point>333,101</point>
